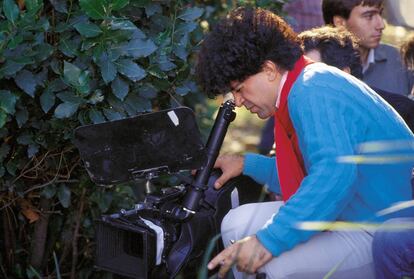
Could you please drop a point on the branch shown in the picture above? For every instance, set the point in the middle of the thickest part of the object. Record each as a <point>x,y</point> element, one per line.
<point>76,235</point>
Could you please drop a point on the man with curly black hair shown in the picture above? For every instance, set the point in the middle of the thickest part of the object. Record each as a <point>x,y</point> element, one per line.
<point>323,119</point>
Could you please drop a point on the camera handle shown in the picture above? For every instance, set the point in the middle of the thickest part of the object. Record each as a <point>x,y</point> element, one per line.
<point>195,194</point>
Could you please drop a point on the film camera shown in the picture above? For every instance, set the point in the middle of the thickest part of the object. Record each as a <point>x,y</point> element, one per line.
<point>169,231</point>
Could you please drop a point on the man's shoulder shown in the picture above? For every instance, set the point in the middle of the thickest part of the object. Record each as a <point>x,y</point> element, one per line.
<point>385,51</point>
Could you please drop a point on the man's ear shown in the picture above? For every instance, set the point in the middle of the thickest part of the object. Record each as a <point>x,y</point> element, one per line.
<point>339,21</point>
<point>270,69</point>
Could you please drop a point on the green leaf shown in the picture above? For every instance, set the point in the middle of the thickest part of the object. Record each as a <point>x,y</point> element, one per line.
<point>70,97</point>
<point>22,115</point>
<point>44,51</point>
<point>190,14</point>
<point>66,110</point>
<point>11,67</point>
<point>120,88</point>
<point>185,28</point>
<point>32,150</point>
<point>47,100</point>
<point>25,139</point>
<point>71,73</point>
<point>96,97</point>
<point>104,202</point>
<point>108,69</point>
<point>33,6</point>
<point>3,118</point>
<point>89,30</point>
<point>68,47</point>
<point>165,64</point>
<point>130,69</point>
<point>26,81</point>
<point>7,101</point>
<point>118,4</point>
<point>95,9</point>
<point>152,9</point>
<point>139,48</point>
<point>11,10</point>
<point>60,5</point>
<point>64,195</point>
<point>112,115</point>
<point>96,116</point>
<point>49,191</point>
<point>4,151</point>
<point>148,91</point>
<point>138,104</point>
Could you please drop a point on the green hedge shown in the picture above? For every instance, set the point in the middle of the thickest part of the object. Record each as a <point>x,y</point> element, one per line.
<point>68,63</point>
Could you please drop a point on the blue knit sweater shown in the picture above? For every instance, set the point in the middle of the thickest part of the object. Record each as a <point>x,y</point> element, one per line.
<point>333,113</point>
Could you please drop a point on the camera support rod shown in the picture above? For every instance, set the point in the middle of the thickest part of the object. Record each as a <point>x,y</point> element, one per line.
<point>225,116</point>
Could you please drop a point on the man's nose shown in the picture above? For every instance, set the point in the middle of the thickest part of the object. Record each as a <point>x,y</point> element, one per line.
<point>380,24</point>
<point>238,99</point>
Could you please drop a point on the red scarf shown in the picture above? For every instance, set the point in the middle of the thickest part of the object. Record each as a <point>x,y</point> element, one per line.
<point>290,166</point>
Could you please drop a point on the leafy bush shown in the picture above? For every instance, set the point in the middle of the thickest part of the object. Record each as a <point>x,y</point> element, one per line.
<point>70,63</point>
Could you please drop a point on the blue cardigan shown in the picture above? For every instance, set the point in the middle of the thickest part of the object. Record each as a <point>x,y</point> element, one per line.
<point>333,113</point>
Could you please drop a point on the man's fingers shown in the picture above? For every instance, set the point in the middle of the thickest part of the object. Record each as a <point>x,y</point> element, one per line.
<point>216,261</point>
<point>221,180</point>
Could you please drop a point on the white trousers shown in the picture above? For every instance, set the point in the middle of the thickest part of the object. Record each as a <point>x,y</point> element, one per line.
<point>347,254</point>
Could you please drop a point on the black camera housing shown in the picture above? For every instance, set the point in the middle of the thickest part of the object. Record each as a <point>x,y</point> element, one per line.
<point>182,219</point>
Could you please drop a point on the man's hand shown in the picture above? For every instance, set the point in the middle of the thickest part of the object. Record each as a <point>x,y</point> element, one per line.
<point>247,254</point>
<point>231,166</point>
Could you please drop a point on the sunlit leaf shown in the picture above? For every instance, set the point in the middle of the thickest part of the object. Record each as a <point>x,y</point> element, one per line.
<point>11,10</point>
<point>89,30</point>
<point>66,110</point>
<point>108,69</point>
<point>26,81</point>
<point>130,69</point>
<point>191,14</point>
<point>139,48</point>
<point>71,73</point>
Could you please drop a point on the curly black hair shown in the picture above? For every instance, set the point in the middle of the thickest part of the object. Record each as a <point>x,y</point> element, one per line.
<point>343,8</point>
<point>337,46</point>
<point>239,45</point>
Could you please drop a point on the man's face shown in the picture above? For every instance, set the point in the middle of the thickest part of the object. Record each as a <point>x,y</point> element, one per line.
<point>258,93</point>
<point>367,24</point>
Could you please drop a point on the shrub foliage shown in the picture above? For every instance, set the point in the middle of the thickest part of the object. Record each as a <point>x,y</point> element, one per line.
<point>70,63</point>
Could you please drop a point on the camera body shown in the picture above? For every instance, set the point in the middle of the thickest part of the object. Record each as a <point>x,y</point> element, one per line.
<point>175,229</point>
